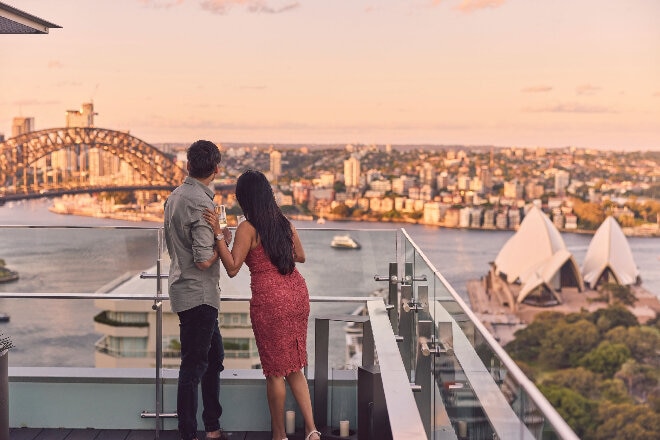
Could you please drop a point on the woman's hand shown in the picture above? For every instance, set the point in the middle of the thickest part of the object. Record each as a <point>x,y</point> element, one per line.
<point>212,219</point>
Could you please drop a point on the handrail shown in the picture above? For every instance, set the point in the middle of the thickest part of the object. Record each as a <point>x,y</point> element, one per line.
<point>405,420</point>
<point>498,411</point>
<point>552,416</point>
<point>152,297</point>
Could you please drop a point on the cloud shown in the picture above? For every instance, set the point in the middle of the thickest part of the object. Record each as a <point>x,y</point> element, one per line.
<point>468,6</point>
<point>255,6</point>
<point>54,64</point>
<point>68,83</point>
<point>568,108</point>
<point>161,4</point>
<point>537,89</point>
<point>28,102</point>
<point>587,89</point>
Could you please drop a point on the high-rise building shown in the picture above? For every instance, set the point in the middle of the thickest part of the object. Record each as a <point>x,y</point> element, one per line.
<point>486,177</point>
<point>562,179</point>
<point>275,164</point>
<point>513,189</point>
<point>81,118</point>
<point>21,125</point>
<point>427,175</point>
<point>352,172</point>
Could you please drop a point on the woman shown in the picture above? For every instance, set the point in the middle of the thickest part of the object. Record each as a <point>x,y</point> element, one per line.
<point>279,309</point>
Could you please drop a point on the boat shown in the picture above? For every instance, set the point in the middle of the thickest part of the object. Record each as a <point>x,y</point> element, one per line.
<point>344,242</point>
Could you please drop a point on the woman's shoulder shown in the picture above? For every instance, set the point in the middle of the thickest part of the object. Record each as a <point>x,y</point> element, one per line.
<point>247,231</point>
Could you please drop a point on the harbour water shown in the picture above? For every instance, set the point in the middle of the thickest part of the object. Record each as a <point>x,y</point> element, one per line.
<point>61,332</point>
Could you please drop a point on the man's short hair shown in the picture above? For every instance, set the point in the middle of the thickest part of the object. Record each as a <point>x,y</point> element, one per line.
<point>203,156</point>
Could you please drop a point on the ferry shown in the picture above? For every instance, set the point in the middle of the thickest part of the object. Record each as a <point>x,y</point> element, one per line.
<point>344,242</point>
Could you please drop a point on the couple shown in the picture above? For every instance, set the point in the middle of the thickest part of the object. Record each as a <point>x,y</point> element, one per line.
<point>279,308</point>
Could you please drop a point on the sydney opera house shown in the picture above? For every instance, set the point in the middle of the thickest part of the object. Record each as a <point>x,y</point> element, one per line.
<point>536,264</point>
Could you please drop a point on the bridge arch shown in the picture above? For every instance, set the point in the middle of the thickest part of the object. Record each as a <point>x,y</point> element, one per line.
<point>17,154</point>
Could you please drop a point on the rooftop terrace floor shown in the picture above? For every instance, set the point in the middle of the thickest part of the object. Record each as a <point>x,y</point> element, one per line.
<point>123,434</point>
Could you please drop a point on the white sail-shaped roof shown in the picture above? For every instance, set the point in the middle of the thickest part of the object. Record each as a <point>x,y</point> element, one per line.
<point>548,274</point>
<point>609,249</point>
<point>536,241</point>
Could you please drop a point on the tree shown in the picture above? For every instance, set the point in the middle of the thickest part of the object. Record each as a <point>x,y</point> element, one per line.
<point>626,421</point>
<point>578,411</point>
<point>613,316</point>
<point>643,341</point>
<point>120,197</point>
<point>339,186</point>
<point>565,344</point>
<point>617,294</point>
<point>639,378</point>
<point>590,215</point>
<point>606,359</point>
<point>577,379</point>
<point>527,343</point>
<point>614,390</point>
<point>341,210</point>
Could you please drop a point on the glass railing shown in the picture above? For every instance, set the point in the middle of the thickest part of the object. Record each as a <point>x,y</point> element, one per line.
<point>468,382</point>
<point>426,345</point>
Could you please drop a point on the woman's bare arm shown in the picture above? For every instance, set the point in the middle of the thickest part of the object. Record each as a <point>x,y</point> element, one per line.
<point>298,251</point>
<point>245,237</point>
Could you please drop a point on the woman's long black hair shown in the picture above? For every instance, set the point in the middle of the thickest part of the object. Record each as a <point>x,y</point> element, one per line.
<point>255,195</point>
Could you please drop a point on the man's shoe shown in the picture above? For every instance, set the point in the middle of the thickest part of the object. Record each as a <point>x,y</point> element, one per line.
<point>217,435</point>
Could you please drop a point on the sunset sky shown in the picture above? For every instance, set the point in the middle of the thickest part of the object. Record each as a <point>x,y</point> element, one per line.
<point>547,73</point>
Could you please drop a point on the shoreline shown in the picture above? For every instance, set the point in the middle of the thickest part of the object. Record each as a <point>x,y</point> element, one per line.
<point>502,320</point>
<point>149,214</point>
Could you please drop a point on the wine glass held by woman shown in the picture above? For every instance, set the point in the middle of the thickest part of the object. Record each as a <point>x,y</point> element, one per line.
<point>269,245</point>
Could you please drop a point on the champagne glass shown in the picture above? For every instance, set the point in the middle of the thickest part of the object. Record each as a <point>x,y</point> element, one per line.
<point>222,215</point>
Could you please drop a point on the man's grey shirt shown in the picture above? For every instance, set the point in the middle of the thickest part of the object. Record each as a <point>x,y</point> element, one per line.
<point>190,239</point>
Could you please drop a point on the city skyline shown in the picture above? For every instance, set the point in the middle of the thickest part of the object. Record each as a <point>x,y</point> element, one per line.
<point>443,72</point>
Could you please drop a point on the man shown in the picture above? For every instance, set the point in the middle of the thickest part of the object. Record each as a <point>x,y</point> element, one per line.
<point>194,291</point>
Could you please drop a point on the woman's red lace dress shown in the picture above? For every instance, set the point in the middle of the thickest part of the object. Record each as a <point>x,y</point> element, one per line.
<point>279,310</point>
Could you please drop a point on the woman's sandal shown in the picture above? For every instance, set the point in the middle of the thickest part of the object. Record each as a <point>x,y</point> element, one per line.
<point>313,432</point>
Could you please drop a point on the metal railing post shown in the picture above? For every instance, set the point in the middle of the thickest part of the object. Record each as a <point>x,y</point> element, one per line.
<point>406,320</point>
<point>158,306</point>
<point>321,339</point>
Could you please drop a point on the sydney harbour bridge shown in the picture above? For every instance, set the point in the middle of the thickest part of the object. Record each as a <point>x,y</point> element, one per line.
<point>28,170</point>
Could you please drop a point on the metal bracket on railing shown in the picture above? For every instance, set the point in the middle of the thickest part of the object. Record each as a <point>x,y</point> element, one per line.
<point>435,347</point>
<point>153,415</point>
<point>430,344</point>
<point>396,280</point>
<point>393,279</point>
<point>412,305</point>
<point>145,275</point>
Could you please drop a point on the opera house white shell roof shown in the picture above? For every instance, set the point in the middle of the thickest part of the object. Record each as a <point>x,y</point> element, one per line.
<point>535,256</point>
<point>609,251</point>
